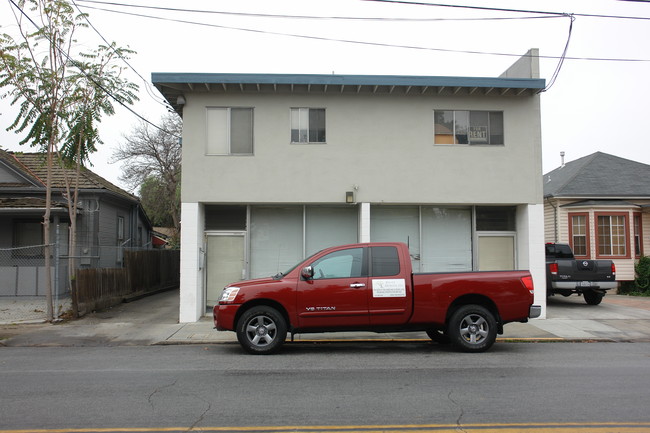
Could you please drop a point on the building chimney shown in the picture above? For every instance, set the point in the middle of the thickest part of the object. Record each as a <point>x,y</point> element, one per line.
<point>562,158</point>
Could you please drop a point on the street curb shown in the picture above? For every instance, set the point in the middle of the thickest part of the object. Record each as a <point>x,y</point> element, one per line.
<point>398,340</point>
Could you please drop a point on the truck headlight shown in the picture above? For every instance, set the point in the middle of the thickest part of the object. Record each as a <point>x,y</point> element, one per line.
<point>229,294</point>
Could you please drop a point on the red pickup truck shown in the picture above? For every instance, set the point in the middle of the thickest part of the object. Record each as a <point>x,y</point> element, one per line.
<point>370,287</point>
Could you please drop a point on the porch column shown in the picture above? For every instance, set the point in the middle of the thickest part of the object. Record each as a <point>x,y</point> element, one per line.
<point>530,248</point>
<point>364,222</point>
<point>192,303</point>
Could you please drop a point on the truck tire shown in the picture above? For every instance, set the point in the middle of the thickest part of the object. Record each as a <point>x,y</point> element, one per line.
<point>592,297</point>
<point>472,328</point>
<point>261,330</point>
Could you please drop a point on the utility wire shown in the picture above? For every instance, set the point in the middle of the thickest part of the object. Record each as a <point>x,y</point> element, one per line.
<point>485,8</point>
<point>562,58</point>
<point>58,48</point>
<point>309,17</point>
<point>365,43</point>
<point>147,84</point>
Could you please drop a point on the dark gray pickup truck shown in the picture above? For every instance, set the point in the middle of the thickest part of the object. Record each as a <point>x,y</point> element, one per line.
<point>566,275</point>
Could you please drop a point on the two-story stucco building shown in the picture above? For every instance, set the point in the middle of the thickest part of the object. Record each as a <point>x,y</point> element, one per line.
<point>279,166</point>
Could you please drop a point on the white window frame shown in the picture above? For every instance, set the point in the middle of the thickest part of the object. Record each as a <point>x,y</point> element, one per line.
<point>225,132</point>
<point>469,143</point>
<point>301,110</point>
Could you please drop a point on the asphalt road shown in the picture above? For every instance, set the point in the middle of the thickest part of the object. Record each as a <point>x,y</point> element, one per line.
<point>213,387</point>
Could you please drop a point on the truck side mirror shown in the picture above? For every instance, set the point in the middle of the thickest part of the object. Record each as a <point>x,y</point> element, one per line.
<point>307,272</point>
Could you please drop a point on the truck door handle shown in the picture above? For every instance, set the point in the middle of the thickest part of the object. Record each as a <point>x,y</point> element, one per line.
<point>357,285</point>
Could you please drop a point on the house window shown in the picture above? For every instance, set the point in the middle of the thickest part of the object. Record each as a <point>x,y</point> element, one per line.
<point>120,228</point>
<point>27,239</point>
<point>468,127</point>
<point>638,236</point>
<point>496,218</point>
<point>612,235</point>
<point>229,131</point>
<point>578,233</point>
<point>308,125</point>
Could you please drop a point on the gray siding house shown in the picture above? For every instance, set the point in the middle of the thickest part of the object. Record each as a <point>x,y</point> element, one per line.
<point>109,220</point>
<point>600,204</point>
<point>279,166</point>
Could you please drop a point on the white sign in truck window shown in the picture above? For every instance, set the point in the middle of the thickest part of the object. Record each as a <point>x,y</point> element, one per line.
<point>389,288</point>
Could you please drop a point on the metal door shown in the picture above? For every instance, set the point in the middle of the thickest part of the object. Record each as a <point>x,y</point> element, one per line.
<point>225,263</point>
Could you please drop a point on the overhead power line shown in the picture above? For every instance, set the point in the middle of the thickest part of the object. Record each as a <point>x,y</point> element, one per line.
<point>525,11</point>
<point>306,17</point>
<point>147,83</point>
<point>102,88</point>
<point>358,42</point>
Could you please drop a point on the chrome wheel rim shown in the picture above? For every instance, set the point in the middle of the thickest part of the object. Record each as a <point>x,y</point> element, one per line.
<point>474,328</point>
<point>261,330</point>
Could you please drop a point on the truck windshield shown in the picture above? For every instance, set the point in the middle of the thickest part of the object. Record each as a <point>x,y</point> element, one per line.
<point>279,275</point>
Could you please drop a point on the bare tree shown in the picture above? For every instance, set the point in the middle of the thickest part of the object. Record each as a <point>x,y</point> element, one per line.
<point>149,152</point>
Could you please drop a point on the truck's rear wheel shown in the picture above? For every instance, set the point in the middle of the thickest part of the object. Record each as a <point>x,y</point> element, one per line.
<point>472,328</point>
<point>261,330</point>
<point>592,297</point>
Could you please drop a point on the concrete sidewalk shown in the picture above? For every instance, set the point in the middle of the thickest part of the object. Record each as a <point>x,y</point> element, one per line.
<point>154,321</point>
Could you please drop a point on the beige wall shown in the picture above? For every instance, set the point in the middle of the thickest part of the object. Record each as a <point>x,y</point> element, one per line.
<point>381,143</point>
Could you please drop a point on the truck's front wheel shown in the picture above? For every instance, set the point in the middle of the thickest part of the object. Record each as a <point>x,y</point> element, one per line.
<point>261,330</point>
<point>472,328</point>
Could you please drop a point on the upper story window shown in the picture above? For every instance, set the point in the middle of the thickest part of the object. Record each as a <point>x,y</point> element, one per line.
<point>468,127</point>
<point>229,131</point>
<point>308,125</point>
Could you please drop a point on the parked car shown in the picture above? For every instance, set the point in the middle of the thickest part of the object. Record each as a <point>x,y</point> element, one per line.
<point>371,287</point>
<point>566,275</point>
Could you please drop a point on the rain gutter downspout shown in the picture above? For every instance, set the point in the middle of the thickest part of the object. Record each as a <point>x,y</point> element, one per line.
<point>555,228</point>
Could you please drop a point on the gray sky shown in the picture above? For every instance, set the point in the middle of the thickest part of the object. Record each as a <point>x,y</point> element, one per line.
<point>579,111</point>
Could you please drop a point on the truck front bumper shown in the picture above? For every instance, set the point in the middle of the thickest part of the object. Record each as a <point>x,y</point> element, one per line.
<point>535,311</point>
<point>223,316</point>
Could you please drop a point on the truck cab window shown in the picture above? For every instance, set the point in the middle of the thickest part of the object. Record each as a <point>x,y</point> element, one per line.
<point>339,264</point>
<point>385,261</point>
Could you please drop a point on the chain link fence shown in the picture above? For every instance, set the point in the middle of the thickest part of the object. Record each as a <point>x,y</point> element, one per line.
<point>23,271</point>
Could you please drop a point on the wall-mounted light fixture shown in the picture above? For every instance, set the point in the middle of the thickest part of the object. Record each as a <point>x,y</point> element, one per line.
<point>180,100</point>
<point>349,197</point>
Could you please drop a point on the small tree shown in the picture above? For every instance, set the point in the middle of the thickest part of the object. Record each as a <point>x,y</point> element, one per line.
<point>152,158</point>
<point>37,83</point>
<point>58,97</point>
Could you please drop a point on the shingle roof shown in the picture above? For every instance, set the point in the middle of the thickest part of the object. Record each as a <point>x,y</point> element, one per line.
<point>599,175</point>
<point>33,167</point>
<point>28,203</point>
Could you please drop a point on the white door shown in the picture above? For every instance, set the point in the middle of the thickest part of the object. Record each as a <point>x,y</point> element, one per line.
<point>225,263</point>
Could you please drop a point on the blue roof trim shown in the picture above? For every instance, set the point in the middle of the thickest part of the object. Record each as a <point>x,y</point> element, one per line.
<point>349,80</point>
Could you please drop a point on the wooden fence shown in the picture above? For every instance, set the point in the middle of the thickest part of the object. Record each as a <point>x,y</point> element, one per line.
<point>144,272</point>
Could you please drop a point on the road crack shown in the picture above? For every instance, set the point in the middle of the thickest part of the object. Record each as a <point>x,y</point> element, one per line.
<point>194,427</point>
<point>459,425</point>
<point>157,390</point>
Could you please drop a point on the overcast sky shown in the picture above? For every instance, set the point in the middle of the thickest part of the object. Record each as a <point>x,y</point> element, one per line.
<point>594,105</point>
